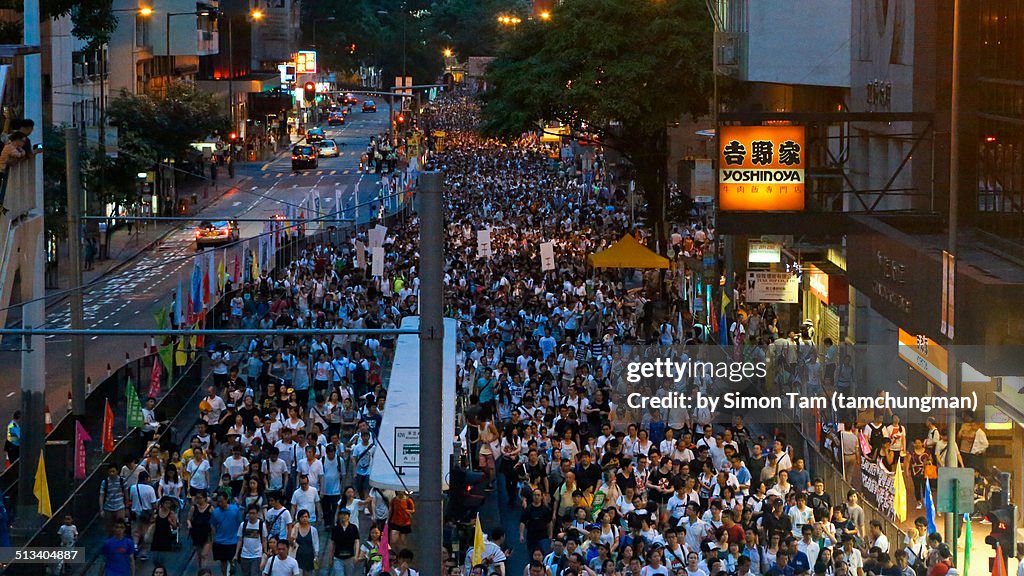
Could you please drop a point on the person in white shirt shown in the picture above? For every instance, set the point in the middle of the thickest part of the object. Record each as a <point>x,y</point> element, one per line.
<point>276,472</point>
<point>279,518</point>
<point>877,537</point>
<point>144,500</point>
<point>306,498</point>
<point>252,537</point>
<point>198,473</point>
<point>492,555</point>
<point>808,546</point>
<point>282,564</point>
<point>311,467</point>
<point>801,515</point>
<point>236,467</point>
<point>697,530</point>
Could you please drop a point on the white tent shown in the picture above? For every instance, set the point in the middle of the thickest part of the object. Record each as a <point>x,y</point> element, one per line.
<point>398,439</point>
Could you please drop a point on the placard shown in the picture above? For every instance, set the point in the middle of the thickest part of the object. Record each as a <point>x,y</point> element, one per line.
<point>547,256</point>
<point>377,234</point>
<point>773,287</point>
<point>377,262</point>
<point>483,243</point>
<point>360,255</point>
<point>878,486</point>
<point>955,490</point>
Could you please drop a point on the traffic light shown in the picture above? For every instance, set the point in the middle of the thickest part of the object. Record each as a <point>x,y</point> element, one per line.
<point>309,92</point>
<point>401,118</point>
<point>233,136</point>
<point>1004,529</point>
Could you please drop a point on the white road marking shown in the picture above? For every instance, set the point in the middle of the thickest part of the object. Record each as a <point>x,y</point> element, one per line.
<point>9,394</point>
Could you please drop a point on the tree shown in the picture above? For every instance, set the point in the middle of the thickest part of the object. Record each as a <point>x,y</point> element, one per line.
<point>94,20</point>
<point>618,69</point>
<point>470,27</point>
<point>151,128</point>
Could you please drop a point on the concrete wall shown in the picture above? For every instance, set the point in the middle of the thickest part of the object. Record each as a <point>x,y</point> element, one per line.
<point>798,42</point>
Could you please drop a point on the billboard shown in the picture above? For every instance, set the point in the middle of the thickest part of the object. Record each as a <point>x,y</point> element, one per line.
<point>773,287</point>
<point>761,168</point>
<point>305,62</point>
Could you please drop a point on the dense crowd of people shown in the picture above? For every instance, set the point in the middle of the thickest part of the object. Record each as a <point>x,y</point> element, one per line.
<point>276,477</point>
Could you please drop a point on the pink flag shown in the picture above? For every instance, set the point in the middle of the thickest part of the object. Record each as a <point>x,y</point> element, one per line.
<point>385,553</point>
<point>81,437</point>
<point>154,378</point>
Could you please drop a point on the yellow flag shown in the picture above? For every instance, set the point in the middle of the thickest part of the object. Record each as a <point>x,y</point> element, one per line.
<point>42,488</point>
<point>899,499</point>
<point>221,276</point>
<point>255,267</point>
<point>725,301</point>
<point>180,356</point>
<point>478,542</point>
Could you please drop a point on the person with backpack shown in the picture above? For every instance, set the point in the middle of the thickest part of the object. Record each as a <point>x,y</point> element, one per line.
<point>114,499</point>
<point>252,540</point>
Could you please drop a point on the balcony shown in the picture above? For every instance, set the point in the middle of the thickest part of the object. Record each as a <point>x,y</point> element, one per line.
<point>207,42</point>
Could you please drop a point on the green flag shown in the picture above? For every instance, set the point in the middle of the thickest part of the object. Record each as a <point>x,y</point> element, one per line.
<point>167,357</point>
<point>161,316</point>
<point>967,544</point>
<point>134,417</point>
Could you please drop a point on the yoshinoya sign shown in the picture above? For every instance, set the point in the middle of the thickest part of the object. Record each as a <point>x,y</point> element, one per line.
<point>761,168</point>
<point>773,287</point>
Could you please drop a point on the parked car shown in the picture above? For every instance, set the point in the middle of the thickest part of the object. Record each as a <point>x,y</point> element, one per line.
<point>216,233</point>
<point>369,106</point>
<point>304,156</point>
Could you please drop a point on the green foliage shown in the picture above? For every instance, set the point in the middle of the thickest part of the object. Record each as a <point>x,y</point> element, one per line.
<point>620,69</point>
<point>151,128</point>
<point>640,64</point>
<point>94,20</point>
<point>470,27</point>
<point>54,188</point>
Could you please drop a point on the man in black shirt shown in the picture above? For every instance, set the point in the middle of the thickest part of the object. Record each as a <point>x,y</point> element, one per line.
<point>535,523</point>
<point>588,474</point>
<point>344,544</point>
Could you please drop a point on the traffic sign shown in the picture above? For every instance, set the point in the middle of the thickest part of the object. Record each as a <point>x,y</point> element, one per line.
<point>956,490</point>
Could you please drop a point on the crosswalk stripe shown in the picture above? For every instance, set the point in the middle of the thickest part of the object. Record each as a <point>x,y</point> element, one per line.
<point>333,172</point>
<point>347,172</point>
<point>266,175</point>
<point>280,174</point>
<point>319,172</point>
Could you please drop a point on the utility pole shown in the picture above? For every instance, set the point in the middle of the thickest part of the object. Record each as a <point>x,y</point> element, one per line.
<point>953,365</point>
<point>431,369</point>
<point>33,282</point>
<point>74,186</point>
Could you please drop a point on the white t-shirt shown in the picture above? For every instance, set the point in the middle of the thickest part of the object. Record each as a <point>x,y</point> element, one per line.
<point>252,534</point>
<point>278,521</point>
<point>199,474</point>
<point>277,567</point>
<point>143,497</point>
<point>236,467</point>
<point>306,500</point>
<point>275,470</point>
<point>314,470</point>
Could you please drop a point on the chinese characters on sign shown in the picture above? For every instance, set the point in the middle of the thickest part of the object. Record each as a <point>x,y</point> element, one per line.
<point>761,168</point>
<point>305,62</point>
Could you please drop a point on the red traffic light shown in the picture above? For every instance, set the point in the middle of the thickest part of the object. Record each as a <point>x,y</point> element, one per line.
<point>401,118</point>
<point>310,87</point>
<point>233,136</point>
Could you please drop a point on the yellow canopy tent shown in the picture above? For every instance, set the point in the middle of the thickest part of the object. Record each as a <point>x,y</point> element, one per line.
<point>627,253</point>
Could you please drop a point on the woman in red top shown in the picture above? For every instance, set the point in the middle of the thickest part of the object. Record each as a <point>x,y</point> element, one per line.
<point>400,520</point>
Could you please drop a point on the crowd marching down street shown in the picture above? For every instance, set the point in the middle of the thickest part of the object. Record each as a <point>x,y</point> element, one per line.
<point>276,478</point>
